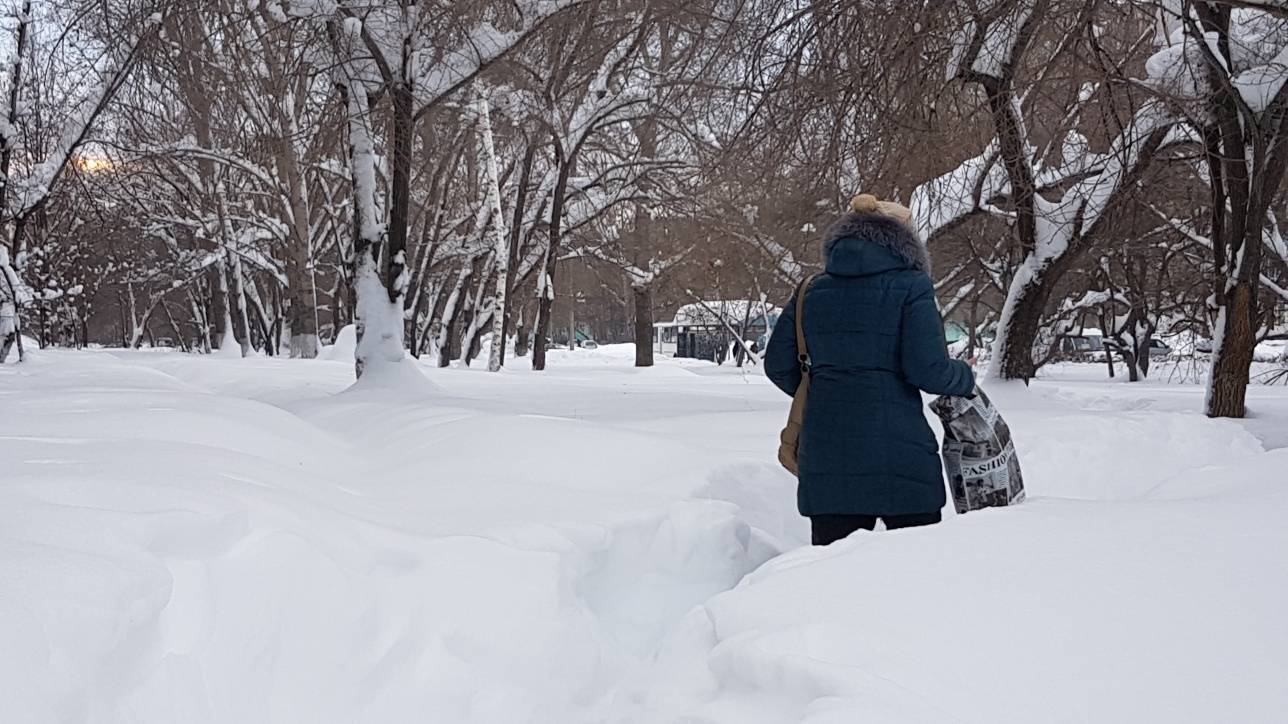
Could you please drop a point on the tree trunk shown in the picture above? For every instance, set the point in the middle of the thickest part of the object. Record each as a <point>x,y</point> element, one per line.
<point>400,191</point>
<point>1142,339</point>
<point>1235,340</point>
<point>446,331</point>
<point>521,337</point>
<point>545,302</point>
<point>301,292</point>
<point>474,345</point>
<point>477,317</point>
<point>174,325</point>
<point>451,349</point>
<point>301,309</point>
<point>1131,357</point>
<point>572,324</point>
<point>512,267</point>
<point>414,332</point>
<point>643,326</point>
<point>221,319</point>
<point>1021,318</point>
<point>199,322</point>
<point>304,331</point>
<point>646,131</point>
<point>380,321</point>
<point>1017,331</point>
<point>378,312</point>
<point>500,239</point>
<point>241,322</point>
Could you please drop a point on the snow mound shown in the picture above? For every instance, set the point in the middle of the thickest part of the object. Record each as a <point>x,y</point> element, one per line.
<point>345,347</point>
<point>30,348</point>
<point>228,347</point>
<point>396,381</point>
<point>194,539</point>
<point>944,623</point>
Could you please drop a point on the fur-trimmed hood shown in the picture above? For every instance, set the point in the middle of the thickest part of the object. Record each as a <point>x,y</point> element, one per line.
<point>862,244</point>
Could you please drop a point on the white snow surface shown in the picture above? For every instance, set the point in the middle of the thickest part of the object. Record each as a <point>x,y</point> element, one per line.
<point>209,539</point>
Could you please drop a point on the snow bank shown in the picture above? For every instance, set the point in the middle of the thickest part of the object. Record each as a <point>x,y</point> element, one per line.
<point>1160,611</point>
<point>1107,597</point>
<point>193,539</point>
<point>174,551</point>
<point>395,380</point>
<point>345,347</point>
<point>30,347</point>
<point>402,378</point>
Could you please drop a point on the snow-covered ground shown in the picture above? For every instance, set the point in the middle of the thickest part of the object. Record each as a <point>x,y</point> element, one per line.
<point>211,539</point>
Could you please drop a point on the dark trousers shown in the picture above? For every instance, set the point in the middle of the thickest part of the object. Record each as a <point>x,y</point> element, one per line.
<point>831,528</point>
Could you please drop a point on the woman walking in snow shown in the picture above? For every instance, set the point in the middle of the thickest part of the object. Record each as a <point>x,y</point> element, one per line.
<point>875,341</point>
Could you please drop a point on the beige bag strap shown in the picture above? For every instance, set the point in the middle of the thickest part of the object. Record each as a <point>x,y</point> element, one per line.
<point>802,349</point>
<point>789,439</point>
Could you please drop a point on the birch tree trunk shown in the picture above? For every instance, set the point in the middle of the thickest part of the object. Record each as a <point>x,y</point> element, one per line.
<point>500,239</point>
<point>512,267</point>
<point>301,312</point>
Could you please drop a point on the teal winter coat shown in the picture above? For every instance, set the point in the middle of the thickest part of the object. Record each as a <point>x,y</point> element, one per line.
<point>876,341</point>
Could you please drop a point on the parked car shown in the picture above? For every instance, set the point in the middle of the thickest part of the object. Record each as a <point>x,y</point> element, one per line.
<point>1159,349</point>
<point>1086,347</point>
<point>1270,350</point>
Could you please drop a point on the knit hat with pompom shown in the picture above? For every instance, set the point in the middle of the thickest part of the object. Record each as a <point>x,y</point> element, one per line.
<point>869,204</point>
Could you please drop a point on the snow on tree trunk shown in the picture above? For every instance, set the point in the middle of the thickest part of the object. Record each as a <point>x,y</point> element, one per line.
<point>223,305</point>
<point>242,320</point>
<point>499,238</point>
<point>304,345</point>
<point>478,310</point>
<point>1013,355</point>
<point>1234,339</point>
<point>378,320</point>
<point>522,337</point>
<point>1142,338</point>
<point>10,300</point>
<point>446,322</point>
<point>228,346</point>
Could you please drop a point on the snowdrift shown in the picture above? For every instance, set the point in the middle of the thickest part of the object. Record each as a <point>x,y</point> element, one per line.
<point>198,539</point>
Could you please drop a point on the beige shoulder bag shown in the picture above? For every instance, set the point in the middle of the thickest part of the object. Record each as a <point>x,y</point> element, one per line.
<point>789,440</point>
